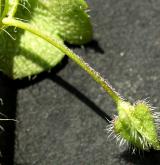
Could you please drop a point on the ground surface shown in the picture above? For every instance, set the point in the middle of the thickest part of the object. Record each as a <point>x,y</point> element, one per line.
<point>56,112</point>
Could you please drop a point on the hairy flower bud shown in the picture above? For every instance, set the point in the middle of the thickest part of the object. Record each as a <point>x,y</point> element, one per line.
<point>137,125</point>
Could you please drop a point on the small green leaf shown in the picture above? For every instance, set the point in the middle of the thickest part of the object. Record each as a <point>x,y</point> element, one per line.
<point>71,22</point>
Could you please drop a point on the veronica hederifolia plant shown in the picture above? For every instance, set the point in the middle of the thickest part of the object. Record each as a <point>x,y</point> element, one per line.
<point>54,22</point>
<point>68,21</point>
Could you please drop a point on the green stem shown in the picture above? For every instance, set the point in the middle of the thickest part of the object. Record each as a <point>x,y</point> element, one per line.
<point>5,10</point>
<point>13,8</point>
<point>10,9</point>
<point>6,7</point>
<point>95,75</point>
<point>0,7</point>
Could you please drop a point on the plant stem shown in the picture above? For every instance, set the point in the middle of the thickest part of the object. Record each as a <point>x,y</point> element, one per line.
<point>13,8</point>
<point>10,9</point>
<point>6,7</point>
<point>0,7</point>
<point>95,75</point>
<point>5,10</point>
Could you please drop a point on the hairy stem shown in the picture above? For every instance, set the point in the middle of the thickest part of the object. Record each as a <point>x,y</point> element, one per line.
<point>0,7</point>
<point>6,7</point>
<point>13,9</point>
<point>10,8</point>
<point>95,75</point>
<point>5,10</point>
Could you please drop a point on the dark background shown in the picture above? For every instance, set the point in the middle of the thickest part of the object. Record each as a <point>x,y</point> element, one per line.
<point>56,112</point>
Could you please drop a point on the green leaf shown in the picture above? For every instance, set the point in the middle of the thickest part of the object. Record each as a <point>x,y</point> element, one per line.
<point>71,22</point>
<point>28,55</point>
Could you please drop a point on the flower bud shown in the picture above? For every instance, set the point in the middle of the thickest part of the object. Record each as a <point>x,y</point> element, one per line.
<point>137,125</point>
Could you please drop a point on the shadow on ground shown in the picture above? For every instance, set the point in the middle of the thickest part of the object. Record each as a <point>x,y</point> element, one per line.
<point>8,94</point>
<point>141,158</point>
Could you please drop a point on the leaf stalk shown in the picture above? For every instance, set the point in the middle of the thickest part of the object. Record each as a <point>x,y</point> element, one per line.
<point>77,59</point>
